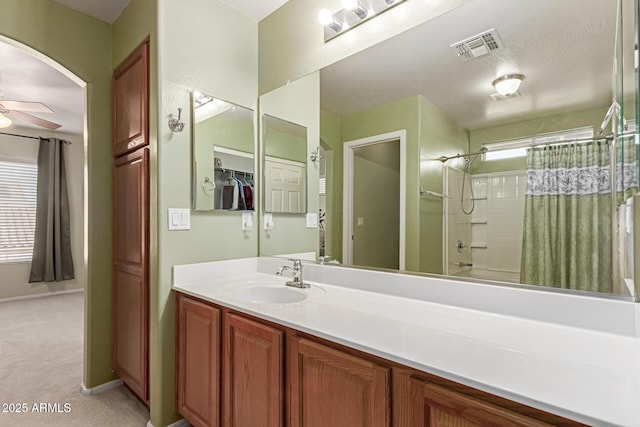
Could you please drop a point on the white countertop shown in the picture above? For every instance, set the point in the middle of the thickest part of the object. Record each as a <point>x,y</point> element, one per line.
<point>590,374</point>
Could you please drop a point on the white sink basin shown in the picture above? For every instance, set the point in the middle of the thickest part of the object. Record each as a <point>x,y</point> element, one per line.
<point>269,294</point>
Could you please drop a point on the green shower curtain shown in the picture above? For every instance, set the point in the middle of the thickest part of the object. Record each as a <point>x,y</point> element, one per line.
<point>567,224</point>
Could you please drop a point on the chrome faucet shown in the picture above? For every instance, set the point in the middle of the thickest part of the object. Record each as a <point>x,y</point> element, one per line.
<point>296,273</point>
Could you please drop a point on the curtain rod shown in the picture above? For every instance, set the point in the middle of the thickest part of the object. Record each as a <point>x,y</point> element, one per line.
<point>484,149</point>
<point>31,137</point>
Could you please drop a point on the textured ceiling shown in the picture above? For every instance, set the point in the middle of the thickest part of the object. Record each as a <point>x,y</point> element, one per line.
<point>564,48</point>
<point>105,10</point>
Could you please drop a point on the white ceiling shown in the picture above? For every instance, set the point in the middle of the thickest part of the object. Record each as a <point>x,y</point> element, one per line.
<point>564,48</point>
<point>26,78</point>
<point>105,10</point>
<point>257,10</point>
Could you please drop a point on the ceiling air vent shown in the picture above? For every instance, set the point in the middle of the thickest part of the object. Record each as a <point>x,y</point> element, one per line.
<point>478,45</point>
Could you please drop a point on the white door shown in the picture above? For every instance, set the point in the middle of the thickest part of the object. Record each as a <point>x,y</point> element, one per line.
<point>284,186</point>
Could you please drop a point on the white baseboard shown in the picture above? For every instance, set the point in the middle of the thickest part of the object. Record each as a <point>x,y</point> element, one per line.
<point>180,423</point>
<point>99,389</point>
<point>42,294</point>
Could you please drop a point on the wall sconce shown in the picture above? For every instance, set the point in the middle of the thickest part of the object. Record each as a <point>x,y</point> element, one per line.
<point>508,85</point>
<point>353,14</point>
<point>175,124</point>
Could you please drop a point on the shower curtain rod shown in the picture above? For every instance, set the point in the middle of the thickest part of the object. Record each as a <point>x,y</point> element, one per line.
<point>484,149</point>
<point>30,137</point>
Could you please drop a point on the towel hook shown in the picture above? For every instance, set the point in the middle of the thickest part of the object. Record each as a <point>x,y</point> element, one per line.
<point>175,124</point>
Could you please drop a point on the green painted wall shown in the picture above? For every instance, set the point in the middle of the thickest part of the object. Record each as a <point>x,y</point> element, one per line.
<point>53,30</point>
<point>331,140</point>
<point>284,146</point>
<point>206,46</point>
<point>524,128</point>
<point>396,116</point>
<point>439,136</point>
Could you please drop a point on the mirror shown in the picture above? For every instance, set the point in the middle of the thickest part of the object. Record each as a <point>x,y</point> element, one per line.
<point>285,166</point>
<point>445,101</point>
<point>291,130</point>
<point>223,155</point>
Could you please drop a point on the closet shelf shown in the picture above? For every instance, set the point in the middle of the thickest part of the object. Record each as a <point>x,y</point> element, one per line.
<point>478,245</point>
<point>479,198</point>
<point>478,221</point>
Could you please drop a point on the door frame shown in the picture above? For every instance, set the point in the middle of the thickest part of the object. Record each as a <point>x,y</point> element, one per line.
<point>347,191</point>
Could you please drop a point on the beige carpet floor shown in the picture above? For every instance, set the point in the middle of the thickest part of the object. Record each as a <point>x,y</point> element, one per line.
<point>41,356</point>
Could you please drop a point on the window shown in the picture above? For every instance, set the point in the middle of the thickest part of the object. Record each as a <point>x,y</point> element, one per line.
<point>518,147</point>
<point>17,210</point>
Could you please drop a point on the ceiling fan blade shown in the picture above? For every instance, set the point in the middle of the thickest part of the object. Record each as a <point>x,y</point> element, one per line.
<point>31,119</point>
<point>33,107</point>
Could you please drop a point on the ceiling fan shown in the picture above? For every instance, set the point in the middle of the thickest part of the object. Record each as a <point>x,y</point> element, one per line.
<point>20,110</point>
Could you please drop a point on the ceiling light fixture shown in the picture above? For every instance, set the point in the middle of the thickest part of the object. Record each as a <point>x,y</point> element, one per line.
<point>351,15</point>
<point>355,7</point>
<point>508,85</point>
<point>328,19</point>
<point>5,121</point>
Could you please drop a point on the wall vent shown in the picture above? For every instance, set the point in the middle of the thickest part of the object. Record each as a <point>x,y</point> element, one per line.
<point>478,45</point>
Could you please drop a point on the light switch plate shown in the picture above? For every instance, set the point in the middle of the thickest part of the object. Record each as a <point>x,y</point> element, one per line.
<point>268,221</point>
<point>179,219</point>
<point>312,220</point>
<point>360,221</point>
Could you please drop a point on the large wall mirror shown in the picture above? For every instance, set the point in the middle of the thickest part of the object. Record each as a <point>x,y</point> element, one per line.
<point>532,186</point>
<point>284,166</point>
<point>223,155</point>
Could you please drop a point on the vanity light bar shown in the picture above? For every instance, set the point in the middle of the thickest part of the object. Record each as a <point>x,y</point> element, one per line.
<point>354,13</point>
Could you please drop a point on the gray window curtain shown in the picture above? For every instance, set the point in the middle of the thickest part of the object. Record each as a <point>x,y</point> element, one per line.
<point>52,259</point>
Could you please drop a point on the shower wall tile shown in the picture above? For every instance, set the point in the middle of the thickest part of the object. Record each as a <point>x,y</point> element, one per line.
<point>479,187</point>
<point>497,187</point>
<point>479,258</point>
<point>480,210</point>
<point>479,234</point>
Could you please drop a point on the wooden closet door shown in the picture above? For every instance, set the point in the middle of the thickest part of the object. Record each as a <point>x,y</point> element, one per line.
<point>130,85</point>
<point>130,276</point>
<point>253,374</point>
<point>198,353</point>
<point>328,387</point>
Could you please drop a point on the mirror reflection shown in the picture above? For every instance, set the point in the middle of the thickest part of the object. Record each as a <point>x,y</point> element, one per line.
<point>223,155</point>
<point>530,184</point>
<point>285,166</point>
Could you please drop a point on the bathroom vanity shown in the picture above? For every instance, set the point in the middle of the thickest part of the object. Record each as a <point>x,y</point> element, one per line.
<point>408,351</point>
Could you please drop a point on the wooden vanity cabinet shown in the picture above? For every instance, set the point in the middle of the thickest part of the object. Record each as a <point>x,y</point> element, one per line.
<point>328,387</point>
<point>424,400</point>
<point>253,376</point>
<point>275,376</point>
<point>198,361</point>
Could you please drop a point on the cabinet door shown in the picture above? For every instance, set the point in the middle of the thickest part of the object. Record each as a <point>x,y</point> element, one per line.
<point>328,387</point>
<point>198,376</point>
<point>130,275</point>
<point>435,406</point>
<point>253,374</point>
<point>131,102</point>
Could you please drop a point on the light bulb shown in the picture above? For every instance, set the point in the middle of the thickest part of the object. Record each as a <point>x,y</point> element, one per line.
<point>325,17</point>
<point>5,121</point>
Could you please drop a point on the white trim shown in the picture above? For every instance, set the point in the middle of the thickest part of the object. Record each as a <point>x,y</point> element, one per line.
<point>42,295</point>
<point>180,423</point>
<point>225,150</point>
<point>284,161</point>
<point>347,217</point>
<point>99,389</point>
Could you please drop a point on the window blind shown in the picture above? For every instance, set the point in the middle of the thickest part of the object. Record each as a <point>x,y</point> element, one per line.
<point>17,210</point>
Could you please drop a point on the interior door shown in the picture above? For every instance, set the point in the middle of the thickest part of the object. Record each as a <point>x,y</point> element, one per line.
<point>284,186</point>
